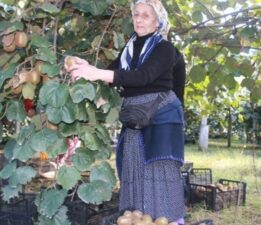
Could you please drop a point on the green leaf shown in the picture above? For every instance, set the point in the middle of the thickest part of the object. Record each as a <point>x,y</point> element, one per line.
<point>43,139</point>
<point>50,8</point>
<point>81,112</point>
<point>15,111</point>
<point>57,148</point>
<point>54,94</point>
<point>47,55</point>
<point>50,202</point>
<point>246,68</point>
<point>229,81</point>
<point>23,152</point>
<point>8,2</point>
<point>10,27</point>
<point>8,148</point>
<point>68,177</point>
<point>121,2</point>
<point>82,159</point>
<point>197,74</point>
<point>94,192</point>
<point>118,40</point>
<point>8,169</point>
<point>95,7</point>
<point>29,91</point>
<point>91,140</point>
<point>1,132</point>
<point>60,218</point>
<point>69,129</point>
<point>51,70</point>
<point>105,173</point>
<point>7,73</point>
<point>10,192</point>
<point>66,113</point>
<point>22,175</point>
<point>248,32</point>
<point>103,133</point>
<point>40,41</point>
<point>5,57</point>
<point>248,83</point>
<point>25,133</point>
<point>197,16</point>
<point>81,90</point>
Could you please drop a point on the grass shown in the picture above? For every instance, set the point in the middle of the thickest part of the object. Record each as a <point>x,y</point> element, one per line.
<point>242,163</point>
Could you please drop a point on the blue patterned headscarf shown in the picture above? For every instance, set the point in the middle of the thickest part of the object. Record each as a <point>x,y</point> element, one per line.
<point>147,48</point>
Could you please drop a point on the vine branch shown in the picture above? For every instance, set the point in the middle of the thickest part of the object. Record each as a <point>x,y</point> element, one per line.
<point>102,36</point>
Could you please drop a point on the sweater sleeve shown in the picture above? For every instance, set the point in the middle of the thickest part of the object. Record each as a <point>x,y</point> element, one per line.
<point>162,59</point>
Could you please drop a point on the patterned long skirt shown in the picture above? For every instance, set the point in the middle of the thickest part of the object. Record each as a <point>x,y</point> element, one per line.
<point>155,188</point>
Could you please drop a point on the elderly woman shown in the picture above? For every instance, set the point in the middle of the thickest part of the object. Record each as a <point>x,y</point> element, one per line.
<point>149,159</point>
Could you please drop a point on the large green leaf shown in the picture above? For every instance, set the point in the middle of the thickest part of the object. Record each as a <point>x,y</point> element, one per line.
<point>81,90</point>
<point>197,74</point>
<point>95,7</point>
<point>91,140</point>
<point>43,139</point>
<point>25,133</point>
<point>51,70</point>
<point>82,159</point>
<point>68,177</point>
<point>15,111</point>
<point>9,192</point>
<point>66,113</point>
<point>8,169</point>
<point>54,94</point>
<point>95,192</point>
<point>57,148</point>
<point>70,129</point>
<point>23,152</point>
<point>7,73</point>
<point>248,32</point>
<point>103,133</point>
<point>81,112</point>
<point>50,8</point>
<point>9,148</point>
<point>118,40</point>
<point>50,202</point>
<point>60,218</point>
<point>11,26</point>
<point>105,173</point>
<point>197,16</point>
<point>22,175</point>
<point>40,41</point>
<point>47,55</point>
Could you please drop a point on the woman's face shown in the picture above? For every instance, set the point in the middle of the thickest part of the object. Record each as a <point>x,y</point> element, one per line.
<point>144,19</point>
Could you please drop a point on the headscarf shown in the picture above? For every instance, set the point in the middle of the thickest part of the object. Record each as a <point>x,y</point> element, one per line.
<point>161,14</point>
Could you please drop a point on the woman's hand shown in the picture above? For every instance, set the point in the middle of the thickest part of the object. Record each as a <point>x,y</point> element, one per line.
<point>81,68</point>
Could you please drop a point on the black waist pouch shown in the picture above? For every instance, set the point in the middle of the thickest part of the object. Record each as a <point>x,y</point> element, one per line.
<point>139,116</point>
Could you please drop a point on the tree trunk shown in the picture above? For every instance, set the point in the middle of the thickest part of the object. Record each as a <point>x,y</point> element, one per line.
<point>229,128</point>
<point>203,134</point>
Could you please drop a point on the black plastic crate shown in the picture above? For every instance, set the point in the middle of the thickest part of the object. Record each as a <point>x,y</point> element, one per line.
<point>204,222</point>
<point>16,212</point>
<point>78,211</point>
<point>8,218</point>
<point>200,176</point>
<point>216,197</point>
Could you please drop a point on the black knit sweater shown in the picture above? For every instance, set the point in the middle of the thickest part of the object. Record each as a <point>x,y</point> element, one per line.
<point>156,74</point>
